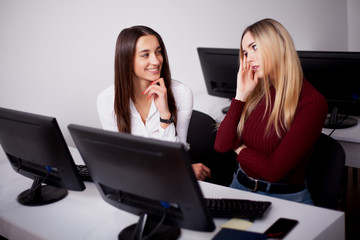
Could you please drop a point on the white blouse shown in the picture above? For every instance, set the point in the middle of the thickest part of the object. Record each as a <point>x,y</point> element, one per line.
<point>151,129</point>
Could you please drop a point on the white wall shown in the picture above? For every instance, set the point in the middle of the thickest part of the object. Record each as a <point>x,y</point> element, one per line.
<point>56,56</point>
<point>353,9</point>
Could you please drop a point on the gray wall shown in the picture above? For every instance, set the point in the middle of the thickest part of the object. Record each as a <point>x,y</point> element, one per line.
<point>56,56</point>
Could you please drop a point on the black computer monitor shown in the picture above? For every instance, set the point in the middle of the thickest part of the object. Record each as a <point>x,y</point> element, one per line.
<point>148,177</point>
<point>35,148</point>
<point>220,67</point>
<point>335,75</point>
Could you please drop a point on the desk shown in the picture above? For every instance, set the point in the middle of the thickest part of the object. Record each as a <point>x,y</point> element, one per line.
<point>349,138</point>
<point>84,215</point>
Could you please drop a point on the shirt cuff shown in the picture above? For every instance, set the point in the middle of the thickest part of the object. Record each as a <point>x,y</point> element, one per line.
<point>168,133</point>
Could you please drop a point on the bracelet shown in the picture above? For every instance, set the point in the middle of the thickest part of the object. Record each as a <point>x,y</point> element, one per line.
<point>168,121</point>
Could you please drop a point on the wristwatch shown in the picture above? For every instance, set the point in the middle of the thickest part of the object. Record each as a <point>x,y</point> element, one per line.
<point>168,121</point>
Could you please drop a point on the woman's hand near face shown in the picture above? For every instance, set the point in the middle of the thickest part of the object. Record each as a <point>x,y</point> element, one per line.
<point>246,81</point>
<point>158,91</point>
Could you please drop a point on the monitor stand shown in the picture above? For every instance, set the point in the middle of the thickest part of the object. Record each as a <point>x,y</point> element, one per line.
<point>40,194</point>
<point>338,121</point>
<point>145,226</point>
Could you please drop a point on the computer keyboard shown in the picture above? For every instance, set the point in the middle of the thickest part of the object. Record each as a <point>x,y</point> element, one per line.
<point>84,173</point>
<point>240,208</point>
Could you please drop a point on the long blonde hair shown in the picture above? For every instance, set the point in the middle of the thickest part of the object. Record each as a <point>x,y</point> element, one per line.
<point>282,70</point>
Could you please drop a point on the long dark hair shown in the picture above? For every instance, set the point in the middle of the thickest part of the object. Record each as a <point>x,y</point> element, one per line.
<point>124,69</point>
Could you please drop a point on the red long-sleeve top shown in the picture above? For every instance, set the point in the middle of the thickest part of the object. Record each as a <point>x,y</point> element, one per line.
<point>266,157</point>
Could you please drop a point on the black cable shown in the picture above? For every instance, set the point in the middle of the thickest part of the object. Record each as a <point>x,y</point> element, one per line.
<point>33,189</point>
<point>166,206</point>
<point>342,120</point>
<point>157,226</point>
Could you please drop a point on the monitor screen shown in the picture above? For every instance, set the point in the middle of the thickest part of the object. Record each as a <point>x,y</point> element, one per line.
<point>147,177</point>
<point>334,74</point>
<point>35,148</point>
<point>220,67</point>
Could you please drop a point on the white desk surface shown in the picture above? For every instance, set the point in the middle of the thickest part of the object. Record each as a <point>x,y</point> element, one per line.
<point>351,134</point>
<point>349,138</point>
<point>84,215</point>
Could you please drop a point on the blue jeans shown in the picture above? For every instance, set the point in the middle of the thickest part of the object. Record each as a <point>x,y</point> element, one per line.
<point>301,197</point>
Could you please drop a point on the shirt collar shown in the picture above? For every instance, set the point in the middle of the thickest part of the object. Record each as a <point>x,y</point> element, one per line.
<point>136,114</point>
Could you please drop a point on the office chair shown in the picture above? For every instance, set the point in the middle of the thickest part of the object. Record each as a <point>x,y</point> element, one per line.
<point>201,137</point>
<point>325,172</point>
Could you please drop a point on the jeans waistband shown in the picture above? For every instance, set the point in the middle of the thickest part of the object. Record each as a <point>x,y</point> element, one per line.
<point>259,185</point>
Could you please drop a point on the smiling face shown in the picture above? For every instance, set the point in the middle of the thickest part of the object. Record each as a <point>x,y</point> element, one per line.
<point>251,54</point>
<point>148,59</point>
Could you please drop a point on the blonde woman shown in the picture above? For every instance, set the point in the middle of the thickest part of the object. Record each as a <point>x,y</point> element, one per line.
<point>275,117</point>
